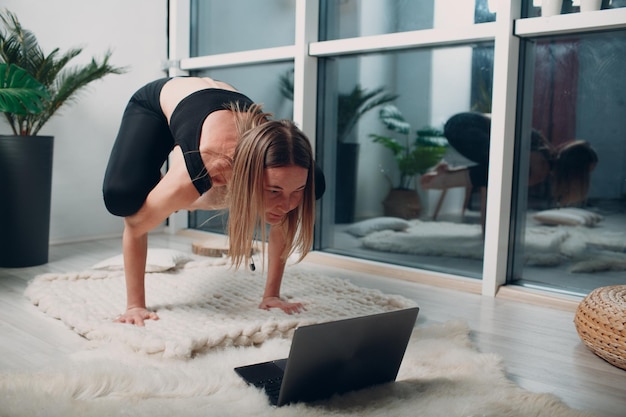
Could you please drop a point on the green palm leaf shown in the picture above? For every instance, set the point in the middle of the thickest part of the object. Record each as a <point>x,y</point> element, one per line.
<point>19,92</point>
<point>392,118</point>
<point>67,84</point>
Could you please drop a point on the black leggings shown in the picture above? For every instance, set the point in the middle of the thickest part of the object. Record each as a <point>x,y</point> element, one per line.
<point>469,134</point>
<point>142,145</point>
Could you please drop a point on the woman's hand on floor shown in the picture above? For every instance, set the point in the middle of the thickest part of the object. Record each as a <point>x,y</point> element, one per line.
<point>442,177</point>
<point>277,302</point>
<point>436,178</point>
<point>136,316</point>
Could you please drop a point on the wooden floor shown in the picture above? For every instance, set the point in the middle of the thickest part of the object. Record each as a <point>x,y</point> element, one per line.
<point>539,345</point>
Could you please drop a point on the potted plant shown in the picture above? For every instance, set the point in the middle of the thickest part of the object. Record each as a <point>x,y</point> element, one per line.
<point>413,156</point>
<point>25,156</point>
<point>350,108</point>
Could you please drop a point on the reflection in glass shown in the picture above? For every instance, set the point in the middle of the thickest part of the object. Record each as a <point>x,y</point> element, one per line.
<point>573,222</point>
<point>262,84</point>
<point>534,7</point>
<point>381,212</point>
<point>220,26</point>
<point>353,18</point>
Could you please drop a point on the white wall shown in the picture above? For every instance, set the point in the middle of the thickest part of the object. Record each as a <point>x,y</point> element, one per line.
<point>136,32</point>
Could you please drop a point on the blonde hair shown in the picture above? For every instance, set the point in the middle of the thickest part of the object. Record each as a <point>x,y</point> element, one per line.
<point>572,172</point>
<point>265,143</point>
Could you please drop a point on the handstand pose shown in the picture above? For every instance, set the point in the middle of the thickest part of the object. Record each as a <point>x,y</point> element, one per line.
<point>225,152</point>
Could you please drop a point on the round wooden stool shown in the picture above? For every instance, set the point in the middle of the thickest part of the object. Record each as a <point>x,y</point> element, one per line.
<point>215,247</point>
<point>211,247</point>
<point>601,323</point>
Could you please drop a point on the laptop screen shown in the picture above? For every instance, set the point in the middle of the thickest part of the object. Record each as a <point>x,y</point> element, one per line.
<point>337,357</point>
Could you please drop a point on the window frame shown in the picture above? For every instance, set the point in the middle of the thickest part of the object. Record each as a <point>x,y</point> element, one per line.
<point>506,33</point>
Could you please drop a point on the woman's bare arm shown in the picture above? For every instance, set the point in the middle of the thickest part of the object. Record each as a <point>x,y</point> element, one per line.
<point>275,270</point>
<point>174,192</point>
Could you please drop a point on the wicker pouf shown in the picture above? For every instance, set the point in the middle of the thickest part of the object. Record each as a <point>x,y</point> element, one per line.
<point>601,323</point>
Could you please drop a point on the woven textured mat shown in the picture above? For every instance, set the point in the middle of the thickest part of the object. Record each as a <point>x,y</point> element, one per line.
<point>200,306</point>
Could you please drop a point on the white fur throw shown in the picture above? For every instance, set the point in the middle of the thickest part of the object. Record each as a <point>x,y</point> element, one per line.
<point>568,216</point>
<point>458,240</point>
<point>589,249</point>
<point>441,375</point>
<point>202,305</point>
<point>365,227</point>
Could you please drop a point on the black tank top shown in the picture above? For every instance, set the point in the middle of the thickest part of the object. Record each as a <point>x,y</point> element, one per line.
<point>186,126</point>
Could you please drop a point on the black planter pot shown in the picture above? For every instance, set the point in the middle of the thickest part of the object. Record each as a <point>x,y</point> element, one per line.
<point>25,190</point>
<point>345,189</point>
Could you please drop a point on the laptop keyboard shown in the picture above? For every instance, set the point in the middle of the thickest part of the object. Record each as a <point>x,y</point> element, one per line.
<point>271,387</point>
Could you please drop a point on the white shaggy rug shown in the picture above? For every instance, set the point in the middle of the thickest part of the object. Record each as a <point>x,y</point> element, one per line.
<point>442,375</point>
<point>588,249</point>
<point>201,305</point>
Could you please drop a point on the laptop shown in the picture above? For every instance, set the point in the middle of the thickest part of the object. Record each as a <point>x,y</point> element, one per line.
<point>336,357</point>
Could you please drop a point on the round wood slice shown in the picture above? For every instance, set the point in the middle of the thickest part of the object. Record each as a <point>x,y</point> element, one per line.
<point>211,248</point>
<point>214,248</point>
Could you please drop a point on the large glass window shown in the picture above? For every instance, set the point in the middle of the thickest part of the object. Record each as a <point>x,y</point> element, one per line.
<point>536,8</point>
<point>572,192</point>
<point>382,126</point>
<point>394,75</point>
<point>220,26</point>
<point>353,18</point>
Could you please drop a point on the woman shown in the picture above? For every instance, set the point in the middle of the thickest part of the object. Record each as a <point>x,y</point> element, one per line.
<point>568,167</point>
<point>224,152</point>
